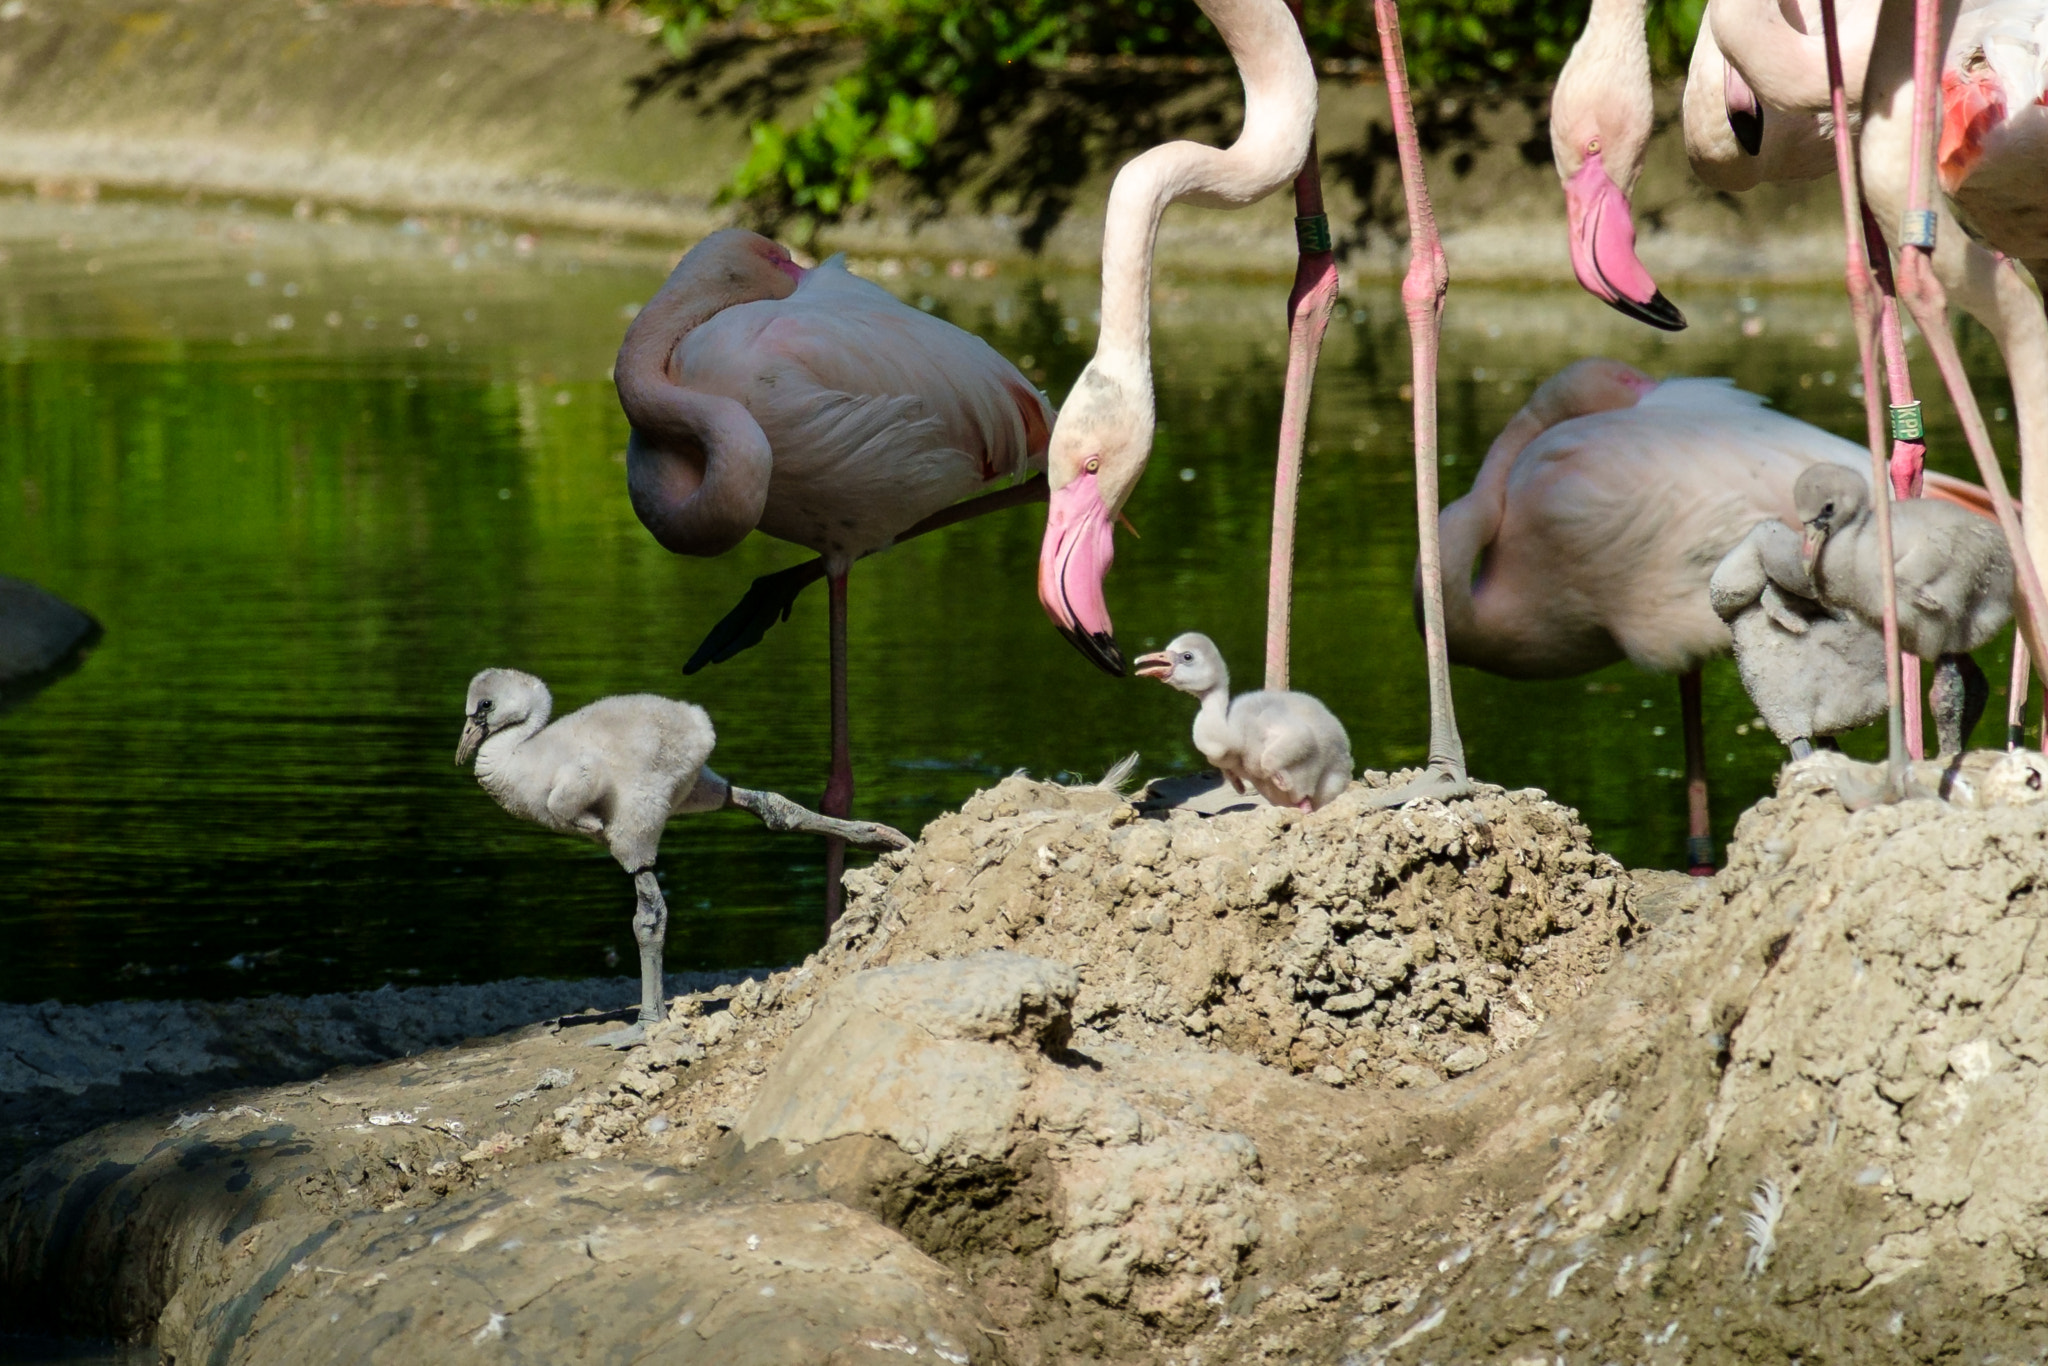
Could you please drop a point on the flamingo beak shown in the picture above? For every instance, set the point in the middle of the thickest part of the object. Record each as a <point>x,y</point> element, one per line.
<point>473,733</point>
<point>1603,239</point>
<point>1745,112</point>
<point>1154,666</point>
<point>1810,542</point>
<point>1072,562</point>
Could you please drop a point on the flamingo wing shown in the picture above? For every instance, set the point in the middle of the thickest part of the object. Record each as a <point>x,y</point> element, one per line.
<point>878,414</point>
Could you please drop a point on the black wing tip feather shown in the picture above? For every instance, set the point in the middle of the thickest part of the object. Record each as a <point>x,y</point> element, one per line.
<point>768,599</point>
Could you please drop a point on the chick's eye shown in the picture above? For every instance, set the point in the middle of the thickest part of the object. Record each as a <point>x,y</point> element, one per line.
<point>1187,659</point>
<point>485,705</point>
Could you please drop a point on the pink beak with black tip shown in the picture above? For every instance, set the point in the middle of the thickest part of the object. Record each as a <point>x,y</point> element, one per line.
<point>1072,563</point>
<point>1603,238</point>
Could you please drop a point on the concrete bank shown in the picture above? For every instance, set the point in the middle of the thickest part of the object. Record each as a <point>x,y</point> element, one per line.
<point>549,120</point>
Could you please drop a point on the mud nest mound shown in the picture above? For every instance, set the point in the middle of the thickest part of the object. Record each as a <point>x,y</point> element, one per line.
<point>1360,946</point>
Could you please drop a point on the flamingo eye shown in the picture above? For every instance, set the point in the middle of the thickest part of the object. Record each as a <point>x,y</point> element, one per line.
<point>1592,147</point>
<point>1094,464</point>
<point>1187,659</point>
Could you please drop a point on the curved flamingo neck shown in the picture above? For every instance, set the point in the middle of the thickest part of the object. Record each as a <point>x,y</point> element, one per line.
<point>1279,119</point>
<point>1784,65</point>
<point>697,465</point>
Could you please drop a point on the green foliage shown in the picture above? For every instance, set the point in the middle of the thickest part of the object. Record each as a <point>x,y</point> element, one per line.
<point>933,68</point>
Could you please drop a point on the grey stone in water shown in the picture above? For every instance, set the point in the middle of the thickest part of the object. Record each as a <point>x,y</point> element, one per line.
<point>37,629</point>
<point>42,637</point>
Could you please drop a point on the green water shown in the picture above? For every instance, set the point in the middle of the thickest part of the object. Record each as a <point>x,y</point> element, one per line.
<point>313,475</point>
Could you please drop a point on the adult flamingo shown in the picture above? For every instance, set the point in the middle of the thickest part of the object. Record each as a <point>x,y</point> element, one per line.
<point>1596,521</point>
<point>1914,51</point>
<point>1103,437</point>
<point>816,407</point>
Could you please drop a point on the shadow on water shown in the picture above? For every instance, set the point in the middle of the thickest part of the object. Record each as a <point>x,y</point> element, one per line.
<point>313,475</point>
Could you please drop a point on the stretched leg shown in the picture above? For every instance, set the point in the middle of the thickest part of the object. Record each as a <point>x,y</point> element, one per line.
<point>1699,841</point>
<point>1958,696</point>
<point>1800,747</point>
<point>1308,316</point>
<point>650,930</point>
<point>1909,447</point>
<point>839,787</point>
<point>2016,702</point>
<point>1865,310</point>
<point>1422,296</point>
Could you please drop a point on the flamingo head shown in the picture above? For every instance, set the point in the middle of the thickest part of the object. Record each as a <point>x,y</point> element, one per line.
<point>499,699</point>
<point>1600,119</point>
<point>742,263</point>
<point>1190,663</point>
<point>1100,443</point>
<point>1825,498</point>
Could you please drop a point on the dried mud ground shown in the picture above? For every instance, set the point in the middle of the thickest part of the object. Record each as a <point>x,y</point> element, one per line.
<point>1071,1082</point>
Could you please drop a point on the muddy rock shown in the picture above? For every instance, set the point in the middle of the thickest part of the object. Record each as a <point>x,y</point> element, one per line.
<point>1359,947</point>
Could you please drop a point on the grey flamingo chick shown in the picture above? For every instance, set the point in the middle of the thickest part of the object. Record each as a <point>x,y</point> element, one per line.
<point>1954,575</point>
<point>614,772</point>
<point>1811,670</point>
<point>1285,745</point>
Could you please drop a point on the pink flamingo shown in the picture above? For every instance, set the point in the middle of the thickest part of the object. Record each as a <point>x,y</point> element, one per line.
<point>1597,519</point>
<point>1897,75</point>
<point>1777,125</point>
<point>1103,437</point>
<point>814,406</point>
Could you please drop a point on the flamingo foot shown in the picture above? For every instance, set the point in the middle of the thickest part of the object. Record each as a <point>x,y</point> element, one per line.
<point>1442,781</point>
<point>631,1036</point>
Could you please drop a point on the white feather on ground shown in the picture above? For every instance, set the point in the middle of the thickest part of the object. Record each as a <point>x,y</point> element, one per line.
<point>1767,1207</point>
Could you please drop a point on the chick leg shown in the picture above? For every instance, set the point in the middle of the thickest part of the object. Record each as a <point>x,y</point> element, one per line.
<point>1957,699</point>
<point>650,930</point>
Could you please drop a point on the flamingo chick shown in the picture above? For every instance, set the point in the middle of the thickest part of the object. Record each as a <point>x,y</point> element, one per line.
<point>1286,745</point>
<point>614,772</point>
<point>1811,670</point>
<point>1954,576</point>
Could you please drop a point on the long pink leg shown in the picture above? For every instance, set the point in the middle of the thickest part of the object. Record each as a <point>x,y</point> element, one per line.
<point>1422,296</point>
<point>838,799</point>
<point>1864,308</point>
<point>1699,840</point>
<point>1308,316</point>
<point>1927,301</point>
<point>1909,449</point>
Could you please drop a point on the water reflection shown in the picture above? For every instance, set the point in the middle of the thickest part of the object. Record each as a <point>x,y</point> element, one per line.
<point>313,476</point>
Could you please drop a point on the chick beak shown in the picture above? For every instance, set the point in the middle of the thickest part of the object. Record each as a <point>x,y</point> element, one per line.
<point>1816,536</point>
<point>473,733</point>
<point>1154,666</point>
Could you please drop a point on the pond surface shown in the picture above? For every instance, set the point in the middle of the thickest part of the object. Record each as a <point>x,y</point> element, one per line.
<point>312,475</point>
